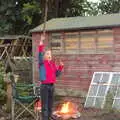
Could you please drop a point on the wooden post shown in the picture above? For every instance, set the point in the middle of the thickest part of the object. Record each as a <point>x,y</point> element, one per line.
<point>9,91</point>
<point>9,94</point>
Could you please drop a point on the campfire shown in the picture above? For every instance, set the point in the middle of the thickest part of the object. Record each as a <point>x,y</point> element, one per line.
<point>67,110</point>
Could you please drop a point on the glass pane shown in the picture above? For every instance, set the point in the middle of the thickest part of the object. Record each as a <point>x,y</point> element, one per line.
<point>71,43</point>
<point>97,77</point>
<point>105,39</point>
<point>115,79</point>
<point>102,90</point>
<point>89,102</point>
<point>105,78</point>
<point>87,42</point>
<point>116,104</point>
<point>56,42</point>
<point>112,91</point>
<point>93,90</point>
<point>118,93</point>
<point>105,42</point>
<point>99,102</point>
<point>56,45</point>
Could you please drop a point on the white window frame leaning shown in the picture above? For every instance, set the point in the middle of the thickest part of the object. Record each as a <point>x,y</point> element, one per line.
<point>108,84</point>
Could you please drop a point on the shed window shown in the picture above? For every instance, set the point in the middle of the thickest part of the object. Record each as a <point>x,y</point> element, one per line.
<point>71,42</point>
<point>56,42</point>
<point>83,42</point>
<point>105,39</point>
<point>87,41</point>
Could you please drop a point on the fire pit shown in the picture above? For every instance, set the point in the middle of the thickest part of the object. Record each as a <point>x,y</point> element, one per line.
<point>66,111</point>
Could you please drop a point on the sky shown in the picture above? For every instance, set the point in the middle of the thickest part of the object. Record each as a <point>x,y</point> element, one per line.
<point>93,0</point>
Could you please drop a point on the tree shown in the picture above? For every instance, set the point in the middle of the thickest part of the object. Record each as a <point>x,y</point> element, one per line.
<point>30,13</point>
<point>56,8</point>
<point>7,16</point>
<point>109,6</point>
<point>92,9</point>
<point>14,14</point>
<point>79,8</point>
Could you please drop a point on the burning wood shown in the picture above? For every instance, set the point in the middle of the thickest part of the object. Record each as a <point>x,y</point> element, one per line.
<point>67,110</point>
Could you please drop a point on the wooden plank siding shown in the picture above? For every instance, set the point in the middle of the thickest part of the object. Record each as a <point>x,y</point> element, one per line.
<point>88,52</point>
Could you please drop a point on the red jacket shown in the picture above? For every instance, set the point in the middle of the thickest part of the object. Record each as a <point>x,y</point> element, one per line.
<point>48,70</point>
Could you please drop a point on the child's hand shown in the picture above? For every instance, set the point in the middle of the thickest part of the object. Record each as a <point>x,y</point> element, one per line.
<point>41,42</point>
<point>42,38</point>
<point>61,63</point>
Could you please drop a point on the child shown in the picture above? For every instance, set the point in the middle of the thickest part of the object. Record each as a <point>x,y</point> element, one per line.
<point>48,72</point>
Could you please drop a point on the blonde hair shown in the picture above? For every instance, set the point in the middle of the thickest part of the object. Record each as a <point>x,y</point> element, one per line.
<point>46,49</point>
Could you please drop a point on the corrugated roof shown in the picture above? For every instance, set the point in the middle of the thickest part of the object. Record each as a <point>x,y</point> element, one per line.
<point>72,23</point>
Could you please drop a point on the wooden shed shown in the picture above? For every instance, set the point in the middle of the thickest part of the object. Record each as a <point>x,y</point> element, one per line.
<point>85,44</point>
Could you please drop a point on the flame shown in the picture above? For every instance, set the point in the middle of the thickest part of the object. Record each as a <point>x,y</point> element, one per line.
<point>65,108</point>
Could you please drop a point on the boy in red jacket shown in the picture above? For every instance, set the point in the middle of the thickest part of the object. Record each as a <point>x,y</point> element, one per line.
<point>48,72</point>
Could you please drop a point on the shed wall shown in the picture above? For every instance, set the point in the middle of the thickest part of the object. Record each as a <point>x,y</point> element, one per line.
<point>79,68</point>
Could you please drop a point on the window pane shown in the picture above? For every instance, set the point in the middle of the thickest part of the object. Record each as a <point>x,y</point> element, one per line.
<point>90,101</point>
<point>99,102</point>
<point>118,93</point>
<point>97,78</point>
<point>56,42</point>
<point>93,90</point>
<point>71,42</point>
<point>87,40</point>
<point>116,104</point>
<point>105,78</point>
<point>105,39</point>
<point>115,79</point>
<point>102,90</point>
<point>87,43</point>
<point>112,91</point>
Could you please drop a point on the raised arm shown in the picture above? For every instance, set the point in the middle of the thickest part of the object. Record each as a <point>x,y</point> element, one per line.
<point>41,50</point>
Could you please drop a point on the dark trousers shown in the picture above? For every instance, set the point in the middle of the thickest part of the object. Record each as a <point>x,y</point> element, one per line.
<point>47,91</point>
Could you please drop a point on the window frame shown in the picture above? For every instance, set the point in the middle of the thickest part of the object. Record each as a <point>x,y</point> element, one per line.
<point>109,85</point>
